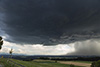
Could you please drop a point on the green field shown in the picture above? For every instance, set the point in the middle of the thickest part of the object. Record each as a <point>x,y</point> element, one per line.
<point>5,63</point>
<point>38,63</point>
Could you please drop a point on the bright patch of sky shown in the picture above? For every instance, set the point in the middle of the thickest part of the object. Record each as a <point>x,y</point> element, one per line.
<point>37,49</point>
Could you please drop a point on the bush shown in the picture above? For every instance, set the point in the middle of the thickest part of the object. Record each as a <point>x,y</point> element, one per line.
<point>96,64</point>
<point>93,64</point>
<point>72,65</point>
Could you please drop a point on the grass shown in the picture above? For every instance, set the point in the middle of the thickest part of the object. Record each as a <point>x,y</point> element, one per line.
<point>6,63</point>
<point>39,63</point>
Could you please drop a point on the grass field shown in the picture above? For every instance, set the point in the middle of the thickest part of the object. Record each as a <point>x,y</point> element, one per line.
<point>4,63</point>
<point>39,63</point>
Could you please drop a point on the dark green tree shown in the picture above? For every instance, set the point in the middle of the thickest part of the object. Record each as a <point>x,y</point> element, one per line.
<point>96,64</point>
<point>1,42</point>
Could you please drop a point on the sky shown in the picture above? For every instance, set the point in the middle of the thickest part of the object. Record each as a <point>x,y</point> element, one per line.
<point>50,27</point>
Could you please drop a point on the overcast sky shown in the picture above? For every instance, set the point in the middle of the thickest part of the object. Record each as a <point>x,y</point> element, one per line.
<point>50,27</point>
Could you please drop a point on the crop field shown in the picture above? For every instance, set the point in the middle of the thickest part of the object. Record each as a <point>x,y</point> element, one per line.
<point>35,63</point>
<point>77,63</point>
<point>84,61</point>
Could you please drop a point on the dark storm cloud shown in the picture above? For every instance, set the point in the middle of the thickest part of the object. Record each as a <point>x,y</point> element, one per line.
<point>50,21</point>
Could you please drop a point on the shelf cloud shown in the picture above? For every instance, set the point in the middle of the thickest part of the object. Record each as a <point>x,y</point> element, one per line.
<point>50,22</point>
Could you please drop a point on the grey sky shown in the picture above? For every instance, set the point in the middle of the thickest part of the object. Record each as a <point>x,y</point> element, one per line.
<point>49,22</point>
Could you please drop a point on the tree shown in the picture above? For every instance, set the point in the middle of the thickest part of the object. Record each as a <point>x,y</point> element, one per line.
<point>96,64</point>
<point>1,42</point>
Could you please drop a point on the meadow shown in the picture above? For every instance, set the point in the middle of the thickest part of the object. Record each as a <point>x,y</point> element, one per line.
<point>35,63</point>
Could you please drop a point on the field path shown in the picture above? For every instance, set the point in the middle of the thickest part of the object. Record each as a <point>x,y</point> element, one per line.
<point>17,63</point>
<point>76,63</point>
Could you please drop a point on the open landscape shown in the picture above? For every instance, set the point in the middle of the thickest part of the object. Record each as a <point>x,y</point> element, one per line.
<point>40,63</point>
<point>49,33</point>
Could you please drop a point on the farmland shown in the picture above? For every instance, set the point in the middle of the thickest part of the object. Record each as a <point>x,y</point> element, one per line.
<point>35,63</point>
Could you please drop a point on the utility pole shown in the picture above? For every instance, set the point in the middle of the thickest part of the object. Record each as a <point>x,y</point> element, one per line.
<point>11,53</point>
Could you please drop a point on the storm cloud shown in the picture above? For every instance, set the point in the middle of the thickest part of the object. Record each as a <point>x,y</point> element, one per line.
<point>88,47</point>
<point>50,22</point>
